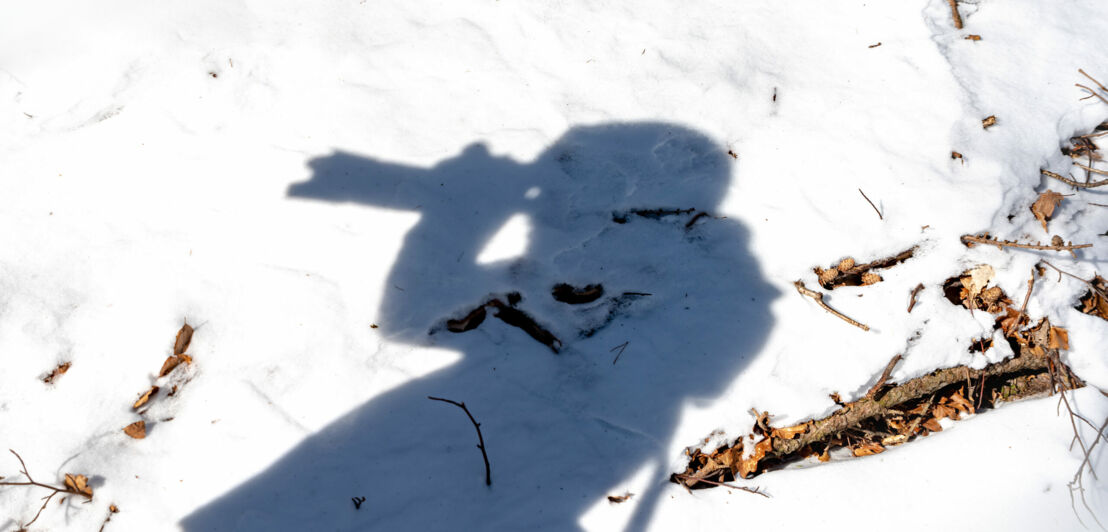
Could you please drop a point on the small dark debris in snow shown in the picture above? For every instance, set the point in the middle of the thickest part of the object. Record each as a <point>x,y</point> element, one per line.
<point>358,502</point>
<point>620,498</point>
<point>875,45</point>
<point>572,295</point>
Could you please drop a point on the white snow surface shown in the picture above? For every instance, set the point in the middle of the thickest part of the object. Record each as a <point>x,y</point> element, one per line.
<point>316,187</point>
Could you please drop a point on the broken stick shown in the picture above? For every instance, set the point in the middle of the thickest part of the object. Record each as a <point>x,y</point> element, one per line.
<point>480,439</point>
<point>884,377</point>
<point>818,297</point>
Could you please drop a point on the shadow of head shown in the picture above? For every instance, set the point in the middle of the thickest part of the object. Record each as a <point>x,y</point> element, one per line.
<point>631,208</point>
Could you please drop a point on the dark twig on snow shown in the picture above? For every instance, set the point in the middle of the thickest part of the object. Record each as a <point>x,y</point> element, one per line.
<point>480,438</point>
<point>912,300</point>
<point>818,297</point>
<point>1072,182</point>
<point>884,377</point>
<point>1023,308</point>
<point>1092,286</point>
<point>970,240</point>
<point>31,482</point>
<point>621,347</point>
<point>694,480</point>
<point>879,216</point>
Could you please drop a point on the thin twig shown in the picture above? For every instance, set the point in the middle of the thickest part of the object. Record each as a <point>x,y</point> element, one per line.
<point>818,297</point>
<point>1092,92</point>
<point>755,491</point>
<point>480,438</point>
<point>954,14</point>
<point>621,347</point>
<point>1093,80</point>
<point>884,377</point>
<point>872,205</point>
<point>968,239</point>
<point>1071,182</point>
<point>1090,169</point>
<point>1019,318</point>
<point>912,301</point>
<point>1090,284</point>
<point>31,482</point>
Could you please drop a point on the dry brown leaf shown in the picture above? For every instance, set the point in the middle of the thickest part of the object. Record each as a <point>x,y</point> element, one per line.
<point>749,464</point>
<point>1043,208</point>
<point>895,439</point>
<point>933,425</point>
<point>78,484</point>
<point>145,398</point>
<point>1059,338</point>
<point>58,371</point>
<point>955,155</point>
<point>973,37</point>
<point>943,410</point>
<point>168,365</point>
<point>961,403</point>
<point>975,280</point>
<point>136,430</point>
<point>988,122</point>
<point>184,338</point>
<point>867,448</point>
<point>869,278</point>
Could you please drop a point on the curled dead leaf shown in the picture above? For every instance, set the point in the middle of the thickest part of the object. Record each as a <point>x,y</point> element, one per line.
<point>78,484</point>
<point>867,448</point>
<point>168,365</point>
<point>136,430</point>
<point>749,465</point>
<point>145,398</point>
<point>58,371</point>
<point>1059,338</point>
<point>1044,206</point>
<point>184,338</point>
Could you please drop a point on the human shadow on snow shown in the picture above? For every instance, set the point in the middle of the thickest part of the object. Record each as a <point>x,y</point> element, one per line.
<point>562,430</point>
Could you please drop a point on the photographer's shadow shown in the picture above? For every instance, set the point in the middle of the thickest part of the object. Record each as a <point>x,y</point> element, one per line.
<point>624,214</point>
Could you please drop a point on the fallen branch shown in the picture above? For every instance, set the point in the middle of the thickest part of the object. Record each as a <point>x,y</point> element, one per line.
<point>75,485</point>
<point>970,240</point>
<point>818,297</point>
<point>1025,375</point>
<point>879,216</point>
<point>480,438</point>
<point>1071,182</point>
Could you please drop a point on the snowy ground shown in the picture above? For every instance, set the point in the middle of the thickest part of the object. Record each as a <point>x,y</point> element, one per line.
<point>316,187</point>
